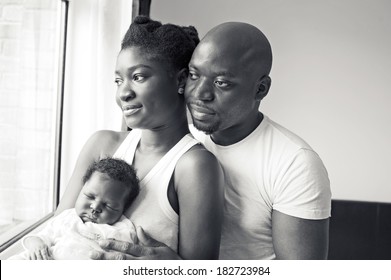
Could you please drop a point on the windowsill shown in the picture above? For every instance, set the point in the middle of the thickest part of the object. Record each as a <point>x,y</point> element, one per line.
<point>19,230</point>
<point>14,230</point>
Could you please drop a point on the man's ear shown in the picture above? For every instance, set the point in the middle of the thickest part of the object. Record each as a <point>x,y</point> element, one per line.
<point>263,87</point>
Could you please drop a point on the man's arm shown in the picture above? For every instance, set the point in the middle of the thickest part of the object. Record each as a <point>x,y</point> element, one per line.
<point>296,238</point>
<point>303,191</point>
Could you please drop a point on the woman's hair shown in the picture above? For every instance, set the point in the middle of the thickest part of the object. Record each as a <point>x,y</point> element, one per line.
<point>165,42</point>
<point>118,170</point>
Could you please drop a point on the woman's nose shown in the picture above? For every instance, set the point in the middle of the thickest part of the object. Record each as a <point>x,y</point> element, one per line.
<point>126,93</point>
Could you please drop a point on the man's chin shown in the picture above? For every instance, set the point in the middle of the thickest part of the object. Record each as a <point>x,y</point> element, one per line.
<point>207,129</point>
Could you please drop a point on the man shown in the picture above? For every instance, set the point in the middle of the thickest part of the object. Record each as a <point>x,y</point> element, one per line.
<point>277,196</point>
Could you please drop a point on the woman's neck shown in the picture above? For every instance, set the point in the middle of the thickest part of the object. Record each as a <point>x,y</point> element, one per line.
<point>162,139</point>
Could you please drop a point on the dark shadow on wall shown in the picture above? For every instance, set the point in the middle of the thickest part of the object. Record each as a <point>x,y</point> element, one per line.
<point>360,231</point>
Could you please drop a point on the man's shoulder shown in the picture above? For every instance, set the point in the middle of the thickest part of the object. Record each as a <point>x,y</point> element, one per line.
<point>281,136</point>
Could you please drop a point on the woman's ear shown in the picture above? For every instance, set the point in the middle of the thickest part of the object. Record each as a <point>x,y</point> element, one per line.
<point>182,77</point>
<point>263,87</point>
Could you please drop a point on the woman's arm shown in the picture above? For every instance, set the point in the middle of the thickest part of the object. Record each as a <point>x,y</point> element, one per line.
<point>100,144</point>
<point>199,182</point>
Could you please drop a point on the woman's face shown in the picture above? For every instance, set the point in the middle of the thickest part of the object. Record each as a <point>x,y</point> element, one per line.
<point>147,92</point>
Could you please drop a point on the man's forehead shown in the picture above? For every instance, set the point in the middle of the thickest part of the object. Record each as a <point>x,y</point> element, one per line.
<point>217,57</point>
<point>214,51</point>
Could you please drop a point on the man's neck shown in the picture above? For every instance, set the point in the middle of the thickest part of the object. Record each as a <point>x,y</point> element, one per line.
<point>238,132</point>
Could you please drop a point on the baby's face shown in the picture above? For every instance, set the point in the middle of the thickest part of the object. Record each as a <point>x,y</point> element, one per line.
<point>101,200</point>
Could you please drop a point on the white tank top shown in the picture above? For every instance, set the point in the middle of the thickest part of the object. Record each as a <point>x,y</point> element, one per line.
<point>151,209</point>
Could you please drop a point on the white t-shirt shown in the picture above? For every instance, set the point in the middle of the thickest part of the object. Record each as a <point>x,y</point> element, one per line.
<point>272,168</point>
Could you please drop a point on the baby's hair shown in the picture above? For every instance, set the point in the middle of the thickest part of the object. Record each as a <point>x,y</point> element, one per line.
<point>167,42</point>
<point>119,170</point>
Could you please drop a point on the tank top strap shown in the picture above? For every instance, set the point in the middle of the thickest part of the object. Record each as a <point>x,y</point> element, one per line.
<point>169,160</point>
<point>128,147</point>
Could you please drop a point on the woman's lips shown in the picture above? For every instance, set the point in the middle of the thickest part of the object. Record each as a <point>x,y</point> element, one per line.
<point>130,109</point>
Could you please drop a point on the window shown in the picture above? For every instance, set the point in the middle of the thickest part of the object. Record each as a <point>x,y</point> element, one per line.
<point>30,40</point>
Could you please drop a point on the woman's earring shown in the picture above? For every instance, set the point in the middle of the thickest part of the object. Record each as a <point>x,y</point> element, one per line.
<point>181,90</point>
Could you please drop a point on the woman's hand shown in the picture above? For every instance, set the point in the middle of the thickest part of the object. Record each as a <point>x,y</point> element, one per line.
<point>147,249</point>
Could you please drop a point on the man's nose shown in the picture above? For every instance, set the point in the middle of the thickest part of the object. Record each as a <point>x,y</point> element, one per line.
<point>203,90</point>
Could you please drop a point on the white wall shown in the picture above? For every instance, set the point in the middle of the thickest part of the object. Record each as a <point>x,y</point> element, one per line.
<point>331,78</point>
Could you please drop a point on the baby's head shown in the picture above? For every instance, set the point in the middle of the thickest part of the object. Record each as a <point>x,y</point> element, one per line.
<point>110,186</point>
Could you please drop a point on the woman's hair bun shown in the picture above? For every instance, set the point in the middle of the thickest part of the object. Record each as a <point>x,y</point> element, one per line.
<point>171,43</point>
<point>147,23</point>
<point>192,33</point>
<point>141,19</point>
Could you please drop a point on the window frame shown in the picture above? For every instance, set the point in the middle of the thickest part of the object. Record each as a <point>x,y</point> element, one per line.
<point>56,156</point>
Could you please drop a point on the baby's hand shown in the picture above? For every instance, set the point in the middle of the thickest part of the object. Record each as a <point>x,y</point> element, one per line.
<point>40,253</point>
<point>37,249</point>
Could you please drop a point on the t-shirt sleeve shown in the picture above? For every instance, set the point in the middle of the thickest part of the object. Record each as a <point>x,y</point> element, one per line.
<point>302,188</point>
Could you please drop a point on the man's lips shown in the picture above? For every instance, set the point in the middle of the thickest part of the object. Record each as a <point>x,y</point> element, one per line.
<point>200,112</point>
<point>201,109</point>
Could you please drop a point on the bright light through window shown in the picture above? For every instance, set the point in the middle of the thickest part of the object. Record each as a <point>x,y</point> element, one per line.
<point>28,94</point>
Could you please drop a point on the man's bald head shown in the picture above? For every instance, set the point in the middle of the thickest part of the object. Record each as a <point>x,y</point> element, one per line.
<point>228,78</point>
<point>244,42</point>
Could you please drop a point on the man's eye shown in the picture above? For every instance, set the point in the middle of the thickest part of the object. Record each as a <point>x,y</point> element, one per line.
<point>193,76</point>
<point>221,84</point>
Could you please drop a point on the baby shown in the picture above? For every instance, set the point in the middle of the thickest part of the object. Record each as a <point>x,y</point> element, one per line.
<point>110,185</point>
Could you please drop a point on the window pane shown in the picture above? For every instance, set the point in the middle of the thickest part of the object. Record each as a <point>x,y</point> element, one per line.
<point>28,89</point>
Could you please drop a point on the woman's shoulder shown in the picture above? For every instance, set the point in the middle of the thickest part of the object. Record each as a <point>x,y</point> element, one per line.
<point>197,158</point>
<point>198,169</point>
<point>106,140</point>
<point>108,136</point>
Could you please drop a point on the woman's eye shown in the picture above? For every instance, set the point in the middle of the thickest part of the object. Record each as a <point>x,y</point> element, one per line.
<point>118,82</point>
<point>138,78</point>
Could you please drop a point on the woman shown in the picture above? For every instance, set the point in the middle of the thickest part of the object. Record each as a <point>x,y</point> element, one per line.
<point>181,183</point>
